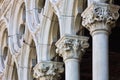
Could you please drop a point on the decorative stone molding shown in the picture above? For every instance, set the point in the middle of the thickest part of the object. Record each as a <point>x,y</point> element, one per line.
<point>100,13</point>
<point>58,6</point>
<point>72,46</point>
<point>34,14</point>
<point>48,70</point>
<point>3,6</point>
<point>17,28</point>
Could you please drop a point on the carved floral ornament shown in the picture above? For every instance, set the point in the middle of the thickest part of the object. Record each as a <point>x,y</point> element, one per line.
<point>71,46</point>
<point>48,70</point>
<point>100,12</point>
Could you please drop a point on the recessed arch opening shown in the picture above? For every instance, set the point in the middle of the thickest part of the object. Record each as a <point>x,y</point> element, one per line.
<point>5,38</point>
<point>22,18</point>
<point>22,30</point>
<point>32,60</point>
<point>5,52</point>
<point>23,13</point>
<point>21,23</point>
<point>54,36</point>
<point>4,46</point>
<point>40,5</point>
<point>14,73</point>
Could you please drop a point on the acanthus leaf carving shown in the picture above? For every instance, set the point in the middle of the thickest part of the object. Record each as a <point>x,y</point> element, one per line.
<point>71,46</point>
<point>100,13</point>
<point>48,70</point>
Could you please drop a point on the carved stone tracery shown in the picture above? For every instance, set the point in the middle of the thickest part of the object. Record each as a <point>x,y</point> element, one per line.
<point>17,35</point>
<point>71,46</point>
<point>48,70</point>
<point>58,6</point>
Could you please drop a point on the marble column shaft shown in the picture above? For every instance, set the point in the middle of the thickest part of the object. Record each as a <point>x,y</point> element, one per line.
<point>99,19</point>
<point>71,48</point>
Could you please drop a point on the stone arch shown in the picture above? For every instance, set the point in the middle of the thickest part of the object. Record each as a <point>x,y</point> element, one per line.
<point>28,49</point>
<point>5,38</point>
<point>6,55</point>
<point>54,35</point>
<point>47,38</point>
<point>80,6</point>
<point>34,13</point>
<point>66,16</point>
<point>14,73</point>
<point>3,28</point>
<point>44,43</point>
<point>32,60</point>
<point>40,31</point>
<point>41,4</point>
<point>3,46</point>
<point>17,29</point>
<point>21,30</point>
<point>9,62</point>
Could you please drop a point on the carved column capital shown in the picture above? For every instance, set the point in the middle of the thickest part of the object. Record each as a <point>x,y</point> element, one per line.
<point>71,46</point>
<point>48,70</point>
<point>100,16</point>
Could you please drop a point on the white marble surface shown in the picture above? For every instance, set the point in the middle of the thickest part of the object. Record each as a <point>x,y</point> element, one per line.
<point>100,57</point>
<point>72,69</point>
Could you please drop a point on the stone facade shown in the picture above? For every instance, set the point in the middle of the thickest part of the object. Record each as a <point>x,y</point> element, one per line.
<point>44,40</point>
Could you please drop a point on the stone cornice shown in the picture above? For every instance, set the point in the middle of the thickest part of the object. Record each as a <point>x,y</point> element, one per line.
<point>100,13</point>
<point>71,46</point>
<point>48,70</point>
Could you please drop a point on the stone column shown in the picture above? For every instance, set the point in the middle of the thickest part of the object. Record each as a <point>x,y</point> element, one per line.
<point>48,70</point>
<point>71,48</point>
<point>99,19</point>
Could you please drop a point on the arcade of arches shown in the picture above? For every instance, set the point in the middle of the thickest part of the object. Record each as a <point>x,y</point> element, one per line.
<point>59,40</point>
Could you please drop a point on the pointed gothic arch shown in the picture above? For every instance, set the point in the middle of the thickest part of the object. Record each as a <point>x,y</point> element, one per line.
<point>17,28</point>
<point>32,60</point>
<point>3,46</point>
<point>54,35</point>
<point>14,73</point>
